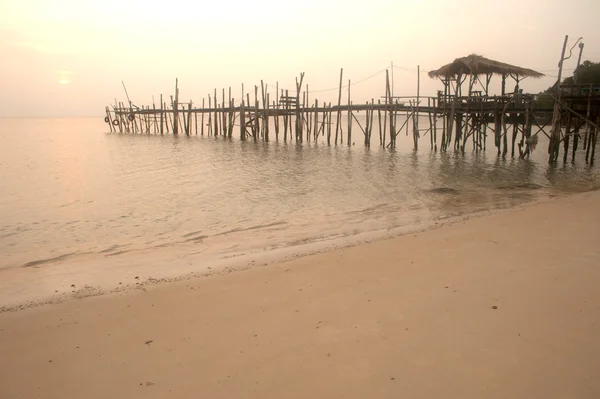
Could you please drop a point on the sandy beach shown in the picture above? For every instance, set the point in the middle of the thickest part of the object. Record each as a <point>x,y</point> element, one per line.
<point>499,306</point>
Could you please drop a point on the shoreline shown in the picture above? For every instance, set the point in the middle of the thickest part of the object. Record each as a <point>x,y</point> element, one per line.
<point>505,305</point>
<point>135,270</point>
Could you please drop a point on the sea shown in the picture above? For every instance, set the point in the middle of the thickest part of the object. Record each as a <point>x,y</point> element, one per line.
<point>79,203</point>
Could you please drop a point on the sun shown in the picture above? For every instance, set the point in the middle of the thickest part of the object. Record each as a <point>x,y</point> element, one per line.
<point>63,77</point>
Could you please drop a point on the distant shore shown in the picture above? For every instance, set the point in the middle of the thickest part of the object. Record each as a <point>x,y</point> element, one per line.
<point>498,306</point>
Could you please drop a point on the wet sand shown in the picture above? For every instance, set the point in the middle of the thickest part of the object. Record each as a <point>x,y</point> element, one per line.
<point>500,306</point>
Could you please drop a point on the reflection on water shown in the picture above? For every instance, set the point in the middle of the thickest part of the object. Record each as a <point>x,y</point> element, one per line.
<point>67,188</point>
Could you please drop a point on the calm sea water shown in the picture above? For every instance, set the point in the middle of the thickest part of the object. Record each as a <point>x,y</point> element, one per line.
<point>69,188</point>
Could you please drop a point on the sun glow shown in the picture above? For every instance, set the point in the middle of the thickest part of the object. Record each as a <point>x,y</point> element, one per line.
<point>64,81</point>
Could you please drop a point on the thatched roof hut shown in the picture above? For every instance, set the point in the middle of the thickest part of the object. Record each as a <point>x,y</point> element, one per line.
<point>477,65</point>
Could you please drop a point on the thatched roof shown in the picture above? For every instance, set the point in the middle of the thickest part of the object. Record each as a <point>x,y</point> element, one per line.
<point>477,65</point>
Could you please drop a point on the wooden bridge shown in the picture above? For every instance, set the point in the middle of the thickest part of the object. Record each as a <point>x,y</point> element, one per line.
<point>462,115</point>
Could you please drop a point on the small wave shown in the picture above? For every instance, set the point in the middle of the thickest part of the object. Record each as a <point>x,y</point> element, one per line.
<point>443,190</point>
<point>368,210</point>
<point>193,233</point>
<point>513,186</point>
<point>118,252</point>
<point>197,238</point>
<point>69,204</point>
<point>260,226</point>
<point>49,260</point>
<point>8,235</point>
<point>112,248</point>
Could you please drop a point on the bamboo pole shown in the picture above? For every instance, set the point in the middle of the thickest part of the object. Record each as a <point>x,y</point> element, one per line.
<point>202,119</point>
<point>266,121</point>
<point>224,127</point>
<point>381,139</point>
<point>210,126</point>
<point>298,116</point>
<point>316,121</point>
<point>309,116</point>
<point>108,119</point>
<point>328,124</point>
<point>216,117</point>
<point>256,129</point>
<point>593,143</point>
<point>567,136</point>
<point>189,117</point>
<point>554,144</point>
<point>162,114</point>
<point>416,122</point>
<point>337,122</point>
<point>276,120</point>
<point>286,106</point>
<point>242,121</point>
<point>176,109</point>
<point>349,117</point>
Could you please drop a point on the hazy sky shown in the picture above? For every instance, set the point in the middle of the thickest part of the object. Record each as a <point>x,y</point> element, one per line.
<point>68,57</point>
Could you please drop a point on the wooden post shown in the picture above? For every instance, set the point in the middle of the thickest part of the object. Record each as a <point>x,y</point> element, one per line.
<point>515,134</point>
<point>459,131</point>
<point>589,139</point>
<point>567,137</point>
<point>266,121</point>
<point>593,143</point>
<point>216,118</point>
<point>349,117</point>
<point>224,127</point>
<point>276,106</point>
<point>176,109</point>
<point>242,120</point>
<point>445,114</point>
<point>231,114</point>
<point>162,113</point>
<point>366,132</point>
<point>298,116</point>
<point>498,131</point>
<point>434,125</point>
<point>391,110</point>
<point>108,119</point>
<point>276,120</point>
<point>587,125</point>
<point>265,103</point>
<point>554,144</point>
<point>210,125</point>
<point>329,125</point>
<point>416,134</point>
<point>202,119</point>
<point>504,137</point>
<point>165,118</point>
<point>430,123</point>
<point>381,141</point>
<point>189,117</point>
<point>316,121</point>
<point>256,128</point>
<point>285,115</point>
<point>219,120</point>
<point>370,113</point>
<point>337,122</point>
<point>575,142</point>
<point>308,116</point>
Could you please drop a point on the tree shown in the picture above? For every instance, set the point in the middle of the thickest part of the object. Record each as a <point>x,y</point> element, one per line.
<point>588,72</point>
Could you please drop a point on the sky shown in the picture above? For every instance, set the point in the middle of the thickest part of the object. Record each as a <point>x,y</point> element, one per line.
<point>69,57</point>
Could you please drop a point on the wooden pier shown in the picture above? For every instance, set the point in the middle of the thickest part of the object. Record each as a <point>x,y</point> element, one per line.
<point>460,117</point>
